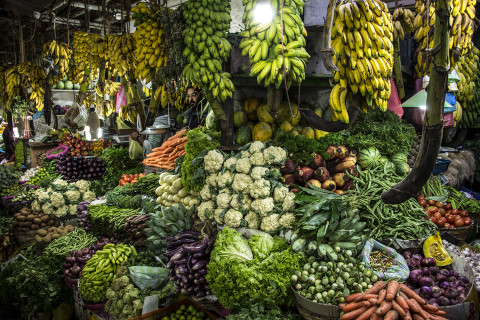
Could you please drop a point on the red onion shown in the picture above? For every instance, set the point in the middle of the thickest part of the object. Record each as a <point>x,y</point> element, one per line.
<point>444,284</point>
<point>426,281</point>
<point>407,255</point>
<point>443,301</point>
<point>451,293</point>
<point>433,302</point>
<point>426,292</point>
<point>463,279</point>
<point>426,271</point>
<point>415,276</point>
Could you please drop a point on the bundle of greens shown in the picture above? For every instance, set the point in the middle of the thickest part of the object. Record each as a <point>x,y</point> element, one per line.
<point>249,271</point>
<point>109,220</point>
<point>6,224</point>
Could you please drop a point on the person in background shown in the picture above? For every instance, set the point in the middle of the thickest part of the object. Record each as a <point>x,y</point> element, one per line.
<point>9,142</point>
<point>195,116</point>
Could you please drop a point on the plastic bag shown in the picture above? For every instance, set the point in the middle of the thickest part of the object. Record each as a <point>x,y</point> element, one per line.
<point>399,269</point>
<point>145,277</point>
<point>134,149</point>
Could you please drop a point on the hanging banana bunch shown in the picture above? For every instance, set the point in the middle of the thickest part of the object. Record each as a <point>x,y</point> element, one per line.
<point>467,70</point>
<point>151,51</point>
<point>276,48</point>
<point>162,93</point>
<point>469,100</point>
<point>402,22</point>
<point>121,49</point>
<point>180,95</point>
<point>3,87</point>
<point>88,51</point>
<point>12,78</point>
<point>462,26</point>
<point>34,77</point>
<point>207,47</point>
<point>110,88</point>
<point>362,36</point>
<point>60,53</point>
<point>147,92</point>
<point>88,99</point>
<point>127,113</point>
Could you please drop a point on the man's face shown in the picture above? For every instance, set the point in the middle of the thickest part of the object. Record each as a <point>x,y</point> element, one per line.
<point>192,97</point>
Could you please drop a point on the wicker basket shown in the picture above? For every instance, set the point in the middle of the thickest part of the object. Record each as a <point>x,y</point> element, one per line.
<point>160,313</point>
<point>461,233</point>
<point>315,311</point>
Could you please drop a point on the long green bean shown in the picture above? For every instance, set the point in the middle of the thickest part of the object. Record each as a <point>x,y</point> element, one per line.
<point>75,240</point>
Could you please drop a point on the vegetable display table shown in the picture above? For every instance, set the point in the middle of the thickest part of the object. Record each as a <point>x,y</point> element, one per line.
<point>37,148</point>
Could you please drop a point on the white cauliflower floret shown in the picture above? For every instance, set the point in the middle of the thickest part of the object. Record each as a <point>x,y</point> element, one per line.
<point>280,193</point>
<point>257,159</point>
<point>289,202</point>
<point>205,193</point>
<point>73,196</point>
<point>62,211</point>
<point>263,206</point>
<point>57,200</point>
<point>241,204</point>
<point>213,161</point>
<point>211,180</point>
<point>88,196</point>
<point>224,179</point>
<point>241,182</point>
<point>73,209</point>
<point>232,161</point>
<point>274,155</point>
<point>243,165</point>
<point>260,189</point>
<point>204,209</point>
<point>270,223</point>
<point>42,195</point>
<point>223,200</point>
<point>257,146</point>
<point>252,220</point>
<point>287,220</point>
<point>82,185</point>
<point>47,208</point>
<point>233,218</point>
<point>245,154</point>
<point>60,183</point>
<point>218,216</point>
<point>235,202</point>
<point>36,206</point>
<point>258,173</point>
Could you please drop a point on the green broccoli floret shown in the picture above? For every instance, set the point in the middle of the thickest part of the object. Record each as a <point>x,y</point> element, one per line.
<point>129,287</point>
<point>111,295</point>
<point>127,309</point>
<point>136,201</point>
<point>137,304</point>
<point>116,285</point>
<point>108,304</point>
<point>123,281</point>
<point>127,298</point>
<point>119,306</point>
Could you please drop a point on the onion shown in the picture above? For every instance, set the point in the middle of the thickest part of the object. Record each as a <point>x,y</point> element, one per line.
<point>415,276</point>
<point>452,279</point>
<point>413,264</point>
<point>444,284</point>
<point>426,271</point>
<point>463,279</point>
<point>451,293</point>
<point>426,281</point>
<point>445,272</point>
<point>461,297</point>
<point>407,255</point>
<point>443,301</point>
<point>426,292</point>
<point>433,302</point>
<point>434,270</point>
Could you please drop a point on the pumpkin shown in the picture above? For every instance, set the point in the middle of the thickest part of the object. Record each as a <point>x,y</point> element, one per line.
<point>250,106</point>
<point>239,118</point>
<point>263,115</point>
<point>262,132</point>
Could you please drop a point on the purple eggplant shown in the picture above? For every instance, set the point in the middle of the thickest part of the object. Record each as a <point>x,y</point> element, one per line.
<point>198,255</point>
<point>199,265</point>
<point>189,262</point>
<point>187,234</point>
<point>197,246</point>
<point>182,261</point>
<point>180,254</point>
<point>203,272</point>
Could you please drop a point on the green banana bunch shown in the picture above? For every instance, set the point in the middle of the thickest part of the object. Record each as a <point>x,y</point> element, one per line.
<point>276,49</point>
<point>97,275</point>
<point>88,52</point>
<point>467,70</point>
<point>362,36</point>
<point>207,48</point>
<point>35,79</point>
<point>167,222</point>
<point>467,116</point>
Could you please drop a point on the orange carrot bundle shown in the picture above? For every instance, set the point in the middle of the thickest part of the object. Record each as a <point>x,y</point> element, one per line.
<point>165,156</point>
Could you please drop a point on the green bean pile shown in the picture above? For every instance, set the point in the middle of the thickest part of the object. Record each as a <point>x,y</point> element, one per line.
<point>406,221</point>
<point>75,240</point>
<point>109,221</point>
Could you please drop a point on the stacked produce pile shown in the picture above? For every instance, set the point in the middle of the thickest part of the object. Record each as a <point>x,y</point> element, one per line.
<point>109,221</point>
<point>61,198</point>
<point>34,78</point>
<point>75,240</point>
<point>82,211</point>
<point>171,191</point>
<point>44,237</point>
<point>30,173</point>
<point>120,53</point>
<point>123,298</point>
<point>469,254</point>
<point>165,156</point>
<point>61,54</point>
<point>462,14</point>
<point>443,215</point>
<point>9,177</point>
<point>27,195</point>
<point>134,226</point>
<point>73,168</point>
<point>276,48</point>
<point>468,93</point>
<point>363,52</point>
<point>244,190</point>
<point>27,219</point>
<point>129,178</point>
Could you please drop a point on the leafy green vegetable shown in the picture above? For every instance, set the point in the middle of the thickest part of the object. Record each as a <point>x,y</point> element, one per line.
<point>260,312</point>
<point>301,148</point>
<point>263,245</point>
<point>231,245</point>
<point>6,224</point>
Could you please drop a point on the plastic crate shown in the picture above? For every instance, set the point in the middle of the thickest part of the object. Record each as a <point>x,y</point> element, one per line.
<point>441,166</point>
<point>160,313</point>
<point>473,194</point>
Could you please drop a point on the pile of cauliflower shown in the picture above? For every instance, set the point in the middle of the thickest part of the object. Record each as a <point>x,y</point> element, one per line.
<point>244,191</point>
<point>62,198</point>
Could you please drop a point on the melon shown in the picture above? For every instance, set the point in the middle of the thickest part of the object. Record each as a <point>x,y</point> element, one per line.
<point>368,158</point>
<point>239,118</point>
<point>250,106</point>
<point>76,86</point>
<point>244,135</point>
<point>263,115</point>
<point>68,85</point>
<point>262,132</point>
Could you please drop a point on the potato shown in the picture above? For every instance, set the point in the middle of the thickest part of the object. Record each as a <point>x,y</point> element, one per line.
<point>24,229</point>
<point>57,223</point>
<point>34,226</point>
<point>30,217</point>
<point>44,218</point>
<point>47,238</point>
<point>37,221</point>
<point>51,229</point>
<point>38,238</point>
<point>55,236</point>
<point>15,223</point>
<point>25,211</point>
<point>21,218</point>
<point>16,215</point>
<point>52,216</point>
<point>42,232</point>
<point>70,228</point>
<point>43,225</point>
<point>51,222</point>
<point>27,223</point>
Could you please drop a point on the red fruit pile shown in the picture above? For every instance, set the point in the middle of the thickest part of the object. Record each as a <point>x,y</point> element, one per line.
<point>443,215</point>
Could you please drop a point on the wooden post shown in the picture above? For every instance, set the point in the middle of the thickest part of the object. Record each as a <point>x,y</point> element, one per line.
<point>397,68</point>
<point>274,98</point>
<point>433,122</point>
<point>227,124</point>
<point>47,99</point>
<point>21,42</point>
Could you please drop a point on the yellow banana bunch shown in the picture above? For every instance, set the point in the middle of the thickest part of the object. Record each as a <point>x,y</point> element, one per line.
<point>34,77</point>
<point>109,108</point>
<point>151,52</point>
<point>362,46</point>
<point>180,95</point>
<point>60,53</point>
<point>146,91</point>
<point>121,49</point>
<point>162,93</point>
<point>12,78</point>
<point>277,48</point>
<point>88,51</point>
<point>462,26</point>
<point>207,48</point>
<point>402,20</point>
<point>111,87</point>
<point>127,113</point>
<point>3,87</point>
<point>467,70</point>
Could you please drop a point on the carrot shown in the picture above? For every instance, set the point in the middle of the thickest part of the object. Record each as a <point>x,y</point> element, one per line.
<point>376,317</point>
<point>391,315</point>
<point>439,312</point>
<point>374,289</point>
<point>408,316</point>
<point>411,294</point>
<point>430,308</point>
<point>415,307</point>
<point>355,305</point>
<point>417,317</point>
<point>353,314</point>
<point>370,296</point>
<point>384,307</point>
<point>402,303</point>
<point>373,301</point>
<point>401,312</point>
<point>367,314</point>
<point>392,290</point>
<point>381,296</point>
<point>352,297</point>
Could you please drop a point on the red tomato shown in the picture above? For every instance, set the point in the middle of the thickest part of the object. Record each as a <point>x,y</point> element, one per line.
<point>433,209</point>
<point>432,219</point>
<point>439,204</point>
<point>455,211</point>
<point>122,182</point>
<point>442,212</point>
<point>423,203</point>
<point>459,223</point>
<point>447,225</point>
<point>450,218</point>
<point>134,180</point>
<point>420,198</point>
<point>128,179</point>
<point>441,222</point>
<point>448,206</point>
<point>448,211</point>
<point>431,202</point>
<point>135,176</point>
<point>124,176</point>
<point>467,221</point>
<point>463,213</point>
<point>437,216</point>
<point>456,217</point>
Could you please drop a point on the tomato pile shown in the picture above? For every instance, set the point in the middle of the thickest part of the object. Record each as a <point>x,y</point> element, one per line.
<point>443,215</point>
<point>76,147</point>
<point>129,178</point>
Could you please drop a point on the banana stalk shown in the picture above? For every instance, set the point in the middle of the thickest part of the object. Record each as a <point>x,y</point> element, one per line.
<point>136,98</point>
<point>397,68</point>
<point>47,100</point>
<point>274,97</point>
<point>153,107</point>
<point>327,35</point>
<point>433,127</point>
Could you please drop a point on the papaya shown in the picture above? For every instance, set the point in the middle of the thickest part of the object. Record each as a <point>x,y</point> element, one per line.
<point>250,124</point>
<point>283,112</point>
<point>286,126</point>
<point>294,117</point>
<point>308,132</point>
<point>319,134</point>
<point>239,118</point>
<point>244,135</point>
<point>250,106</point>
<point>263,115</point>
<point>318,112</point>
<point>262,132</point>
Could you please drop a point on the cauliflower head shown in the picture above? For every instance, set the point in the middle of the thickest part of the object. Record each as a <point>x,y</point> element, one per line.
<point>73,209</point>
<point>257,159</point>
<point>47,208</point>
<point>270,223</point>
<point>59,183</point>
<point>42,195</point>
<point>205,193</point>
<point>241,202</point>
<point>57,200</point>
<point>245,154</point>
<point>73,196</point>
<point>211,180</point>
<point>218,215</point>
<point>274,155</point>
<point>88,196</point>
<point>256,146</point>
<point>224,179</point>
<point>258,173</point>
<point>205,209</point>
<point>289,202</point>
<point>82,185</point>
<point>243,165</point>
<point>62,211</point>
<point>252,220</point>
<point>230,164</point>
<point>233,218</point>
<point>280,193</point>
<point>213,161</point>
<point>223,199</point>
<point>36,206</point>
<point>241,182</point>
<point>287,220</point>
<point>263,206</point>
<point>260,188</point>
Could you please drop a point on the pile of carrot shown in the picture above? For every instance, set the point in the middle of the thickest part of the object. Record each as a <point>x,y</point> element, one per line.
<point>390,301</point>
<point>165,156</point>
